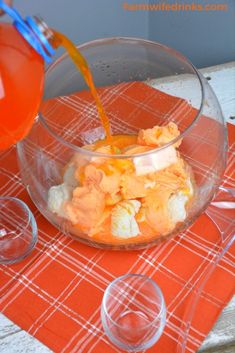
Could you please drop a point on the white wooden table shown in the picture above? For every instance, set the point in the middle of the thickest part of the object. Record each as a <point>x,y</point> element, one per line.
<point>222,337</point>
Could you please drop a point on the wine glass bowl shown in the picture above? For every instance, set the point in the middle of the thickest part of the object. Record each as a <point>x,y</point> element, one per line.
<point>141,84</point>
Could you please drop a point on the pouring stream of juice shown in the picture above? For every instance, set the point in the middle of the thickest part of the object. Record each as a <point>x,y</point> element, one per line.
<point>83,67</point>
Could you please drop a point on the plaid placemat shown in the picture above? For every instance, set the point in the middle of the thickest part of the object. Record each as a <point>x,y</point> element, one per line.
<point>55,294</point>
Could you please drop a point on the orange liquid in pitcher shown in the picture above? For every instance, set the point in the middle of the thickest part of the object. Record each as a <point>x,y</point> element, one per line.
<point>81,64</point>
<point>21,86</point>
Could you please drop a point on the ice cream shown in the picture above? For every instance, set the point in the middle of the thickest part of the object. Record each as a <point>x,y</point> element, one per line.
<point>123,222</point>
<point>134,187</point>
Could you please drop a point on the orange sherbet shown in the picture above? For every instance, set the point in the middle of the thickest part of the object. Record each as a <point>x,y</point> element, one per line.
<point>155,210</point>
<point>158,182</point>
<point>86,207</point>
<point>133,186</point>
<point>174,177</point>
<point>159,135</point>
<point>107,183</point>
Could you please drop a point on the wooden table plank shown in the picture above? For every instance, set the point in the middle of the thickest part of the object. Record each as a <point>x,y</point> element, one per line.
<point>222,80</point>
<point>223,333</point>
<point>222,337</point>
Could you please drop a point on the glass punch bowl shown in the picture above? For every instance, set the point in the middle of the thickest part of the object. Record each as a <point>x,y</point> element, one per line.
<point>168,91</point>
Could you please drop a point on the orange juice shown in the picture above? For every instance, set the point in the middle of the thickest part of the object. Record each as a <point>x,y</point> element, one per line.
<point>82,65</point>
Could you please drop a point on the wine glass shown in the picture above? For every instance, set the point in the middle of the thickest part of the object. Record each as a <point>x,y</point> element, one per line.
<point>18,230</point>
<point>133,312</point>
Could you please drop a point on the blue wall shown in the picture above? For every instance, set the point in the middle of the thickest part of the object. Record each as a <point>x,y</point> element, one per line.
<point>85,20</point>
<point>206,38</point>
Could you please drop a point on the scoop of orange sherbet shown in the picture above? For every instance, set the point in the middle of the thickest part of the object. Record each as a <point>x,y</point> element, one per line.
<point>86,207</point>
<point>173,178</point>
<point>156,212</point>
<point>159,135</point>
<point>133,186</point>
<point>107,183</point>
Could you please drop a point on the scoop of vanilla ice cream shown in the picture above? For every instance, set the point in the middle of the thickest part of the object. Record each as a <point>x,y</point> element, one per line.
<point>123,222</point>
<point>153,162</point>
<point>57,195</point>
<point>176,207</point>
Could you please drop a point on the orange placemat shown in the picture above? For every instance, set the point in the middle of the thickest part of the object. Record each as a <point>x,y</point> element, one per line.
<point>55,294</point>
